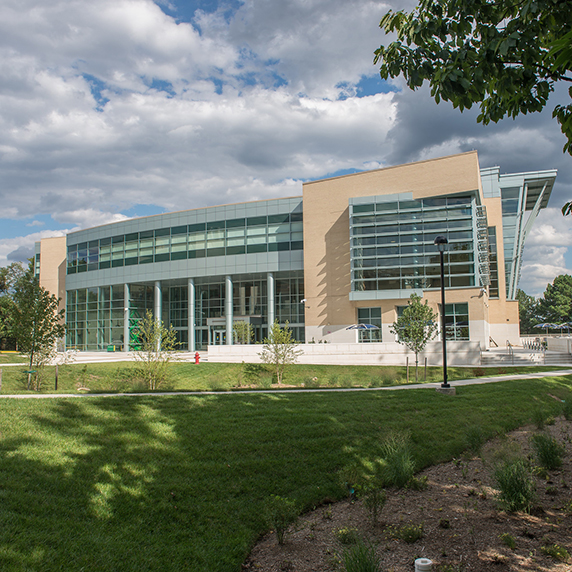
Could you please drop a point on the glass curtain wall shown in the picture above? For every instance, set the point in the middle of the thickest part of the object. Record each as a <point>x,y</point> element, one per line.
<point>511,219</point>
<point>269,233</point>
<point>94,316</point>
<point>289,293</point>
<point>392,243</point>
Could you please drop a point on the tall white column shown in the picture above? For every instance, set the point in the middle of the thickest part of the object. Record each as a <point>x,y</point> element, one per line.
<point>191,313</point>
<point>271,302</point>
<point>125,316</point>
<point>228,310</point>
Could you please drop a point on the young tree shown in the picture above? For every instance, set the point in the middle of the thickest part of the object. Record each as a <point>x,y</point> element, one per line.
<point>280,349</point>
<point>156,346</point>
<point>243,332</point>
<point>505,55</point>
<point>415,327</point>
<point>37,323</point>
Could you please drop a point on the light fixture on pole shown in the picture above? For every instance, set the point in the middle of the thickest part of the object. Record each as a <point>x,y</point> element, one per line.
<point>441,243</point>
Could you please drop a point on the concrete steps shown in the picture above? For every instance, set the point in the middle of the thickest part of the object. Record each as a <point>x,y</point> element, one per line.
<point>502,356</point>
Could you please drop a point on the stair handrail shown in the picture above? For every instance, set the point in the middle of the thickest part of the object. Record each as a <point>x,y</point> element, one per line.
<point>510,351</point>
<point>491,341</point>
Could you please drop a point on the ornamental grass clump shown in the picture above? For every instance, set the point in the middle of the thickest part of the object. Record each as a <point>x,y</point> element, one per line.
<point>361,558</point>
<point>548,451</point>
<point>398,464</point>
<point>516,485</point>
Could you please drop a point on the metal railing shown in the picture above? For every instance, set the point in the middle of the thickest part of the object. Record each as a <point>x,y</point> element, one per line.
<point>534,344</point>
<point>510,351</point>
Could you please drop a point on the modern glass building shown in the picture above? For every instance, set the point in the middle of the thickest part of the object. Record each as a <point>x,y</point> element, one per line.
<point>351,250</point>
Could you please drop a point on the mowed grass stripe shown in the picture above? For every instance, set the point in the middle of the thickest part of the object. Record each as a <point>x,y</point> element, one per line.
<point>179,483</point>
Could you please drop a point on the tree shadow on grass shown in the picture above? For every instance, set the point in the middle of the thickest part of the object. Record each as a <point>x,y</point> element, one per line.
<point>179,483</point>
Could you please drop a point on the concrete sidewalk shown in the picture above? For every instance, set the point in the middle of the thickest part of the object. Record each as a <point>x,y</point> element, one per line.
<point>459,383</point>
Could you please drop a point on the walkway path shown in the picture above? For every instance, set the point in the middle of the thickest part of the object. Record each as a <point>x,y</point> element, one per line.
<point>458,383</point>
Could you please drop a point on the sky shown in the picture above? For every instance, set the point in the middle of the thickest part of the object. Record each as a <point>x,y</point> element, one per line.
<point>111,109</point>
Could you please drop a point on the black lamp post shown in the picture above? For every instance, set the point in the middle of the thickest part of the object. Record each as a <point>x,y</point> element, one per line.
<point>441,243</point>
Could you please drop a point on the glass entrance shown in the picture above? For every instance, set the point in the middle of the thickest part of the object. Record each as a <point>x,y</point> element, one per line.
<point>218,335</point>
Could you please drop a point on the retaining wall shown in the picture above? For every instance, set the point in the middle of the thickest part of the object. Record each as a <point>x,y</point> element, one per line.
<point>458,353</point>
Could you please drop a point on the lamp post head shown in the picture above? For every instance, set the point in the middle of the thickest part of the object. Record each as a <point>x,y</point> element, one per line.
<point>441,242</point>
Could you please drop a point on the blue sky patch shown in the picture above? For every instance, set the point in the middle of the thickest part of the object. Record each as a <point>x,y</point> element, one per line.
<point>338,173</point>
<point>9,228</point>
<point>184,11</point>
<point>162,85</point>
<point>96,86</point>
<point>137,211</point>
<point>370,85</point>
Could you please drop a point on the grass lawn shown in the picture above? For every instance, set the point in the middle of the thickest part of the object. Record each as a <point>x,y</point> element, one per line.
<point>178,483</point>
<point>120,376</point>
<point>12,357</point>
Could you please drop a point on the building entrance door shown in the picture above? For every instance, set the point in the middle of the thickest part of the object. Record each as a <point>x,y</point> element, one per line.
<point>218,336</point>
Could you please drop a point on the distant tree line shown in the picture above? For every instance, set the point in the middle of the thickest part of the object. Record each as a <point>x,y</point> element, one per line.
<point>554,307</point>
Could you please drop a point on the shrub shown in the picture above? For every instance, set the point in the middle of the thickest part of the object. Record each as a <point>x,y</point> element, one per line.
<point>418,484</point>
<point>515,484</point>
<point>361,558</point>
<point>347,535</point>
<point>539,417</point>
<point>478,371</point>
<point>508,540</point>
<point>409,533</point>
<point>280,514</point>
<point>374,497</point>
<point>556,551</point>
<point>398,464</point>
<point>548,451</point>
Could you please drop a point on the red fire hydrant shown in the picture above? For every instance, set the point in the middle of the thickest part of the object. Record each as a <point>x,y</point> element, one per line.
<point>197,356</point>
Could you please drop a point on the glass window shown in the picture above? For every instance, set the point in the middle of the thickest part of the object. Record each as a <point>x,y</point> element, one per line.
<point>369,317</point>
<point>457,321</point>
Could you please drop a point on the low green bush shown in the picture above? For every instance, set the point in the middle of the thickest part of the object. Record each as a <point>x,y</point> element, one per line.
<point>347,535</point>
<point>508,540</point>
<point>409,533</point>
<point>548,451</point>
<point>516,485</point>
<point>539,418</point>
<point>374,497</point>
<point>556,551</point>
<point>280,514</point>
